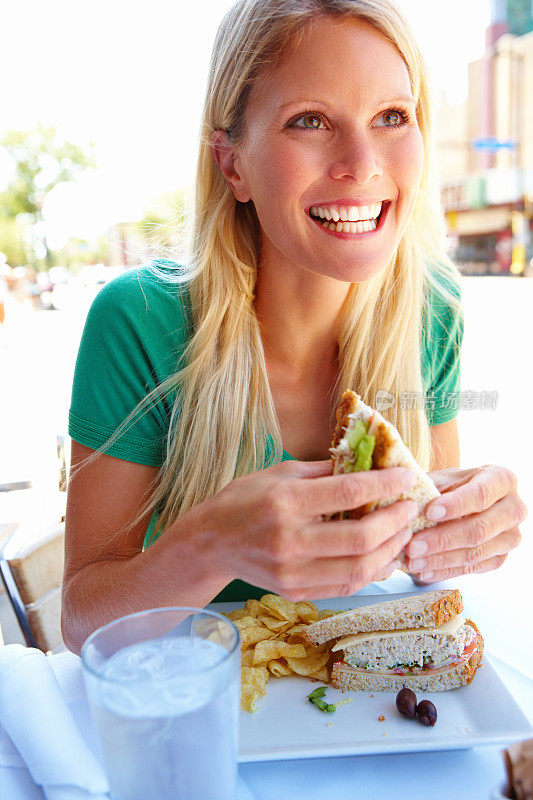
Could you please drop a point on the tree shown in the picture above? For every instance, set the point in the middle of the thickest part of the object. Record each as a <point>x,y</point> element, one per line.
<point>43,159</point>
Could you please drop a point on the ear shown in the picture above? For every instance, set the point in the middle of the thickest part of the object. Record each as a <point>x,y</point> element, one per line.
<point>225,156</point>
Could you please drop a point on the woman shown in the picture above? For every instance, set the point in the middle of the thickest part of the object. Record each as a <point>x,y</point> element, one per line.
<point>316,110</point>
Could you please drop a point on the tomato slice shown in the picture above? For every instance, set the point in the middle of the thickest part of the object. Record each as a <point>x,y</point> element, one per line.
<point>470,649</point>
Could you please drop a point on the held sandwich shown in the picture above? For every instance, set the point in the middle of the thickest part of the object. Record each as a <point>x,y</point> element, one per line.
<point>420,641</point>
<point>364,440</point>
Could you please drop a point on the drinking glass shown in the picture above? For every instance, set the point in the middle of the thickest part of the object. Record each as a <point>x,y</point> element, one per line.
<point>163,688</point>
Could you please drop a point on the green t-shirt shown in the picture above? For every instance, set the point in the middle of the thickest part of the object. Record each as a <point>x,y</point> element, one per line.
<point>134,336</point>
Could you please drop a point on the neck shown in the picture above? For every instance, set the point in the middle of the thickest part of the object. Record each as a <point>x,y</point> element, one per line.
<point>299,314</point>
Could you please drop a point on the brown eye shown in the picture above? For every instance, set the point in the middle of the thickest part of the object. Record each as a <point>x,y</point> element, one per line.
<point>393,118</point>
<point>310,122</point>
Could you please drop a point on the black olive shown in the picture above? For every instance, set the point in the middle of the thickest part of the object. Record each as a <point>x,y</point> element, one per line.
<point>427,713</point>
<point>406,703</point>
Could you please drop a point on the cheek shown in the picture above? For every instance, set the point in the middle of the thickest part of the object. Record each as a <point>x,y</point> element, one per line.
<point>408,164</point>
<point>279,178</point>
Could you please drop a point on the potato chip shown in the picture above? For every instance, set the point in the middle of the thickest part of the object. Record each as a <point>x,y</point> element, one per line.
<point>279,607</point>
<point>322,675</point>
<point>273,624</point>
<point>252,635</point>
<point>253,608</point>
<point>247,658</point>
<point>239,613</point>
<point>307,611</point>
<point>253,680</point>
<point>279,668</point>
<point>295,634</point>
<point>308,665</point>
<point>328,612</point>
<point>273,644</point>
<point>245,622</point>
<point>275,648</point>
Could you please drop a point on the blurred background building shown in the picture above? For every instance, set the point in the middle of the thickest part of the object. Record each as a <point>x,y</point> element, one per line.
<point>485,149</point>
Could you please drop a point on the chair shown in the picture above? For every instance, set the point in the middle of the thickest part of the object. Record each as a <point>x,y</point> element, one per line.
<point>32,572</point>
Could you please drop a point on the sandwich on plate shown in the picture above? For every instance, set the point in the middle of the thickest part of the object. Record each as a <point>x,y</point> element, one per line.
<point>363,440</point>
<point>420,641</point>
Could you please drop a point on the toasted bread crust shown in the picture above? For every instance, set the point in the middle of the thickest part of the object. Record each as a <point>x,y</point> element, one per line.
<point>347,405</point>
<point>447,607</point>
<point>469,669</point>
<point>367,619</point>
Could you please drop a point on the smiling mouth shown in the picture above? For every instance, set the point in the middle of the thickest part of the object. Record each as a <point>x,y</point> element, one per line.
<point>347,228</point>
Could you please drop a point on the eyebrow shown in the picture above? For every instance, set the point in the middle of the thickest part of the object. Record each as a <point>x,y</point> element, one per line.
<point>401,98</point>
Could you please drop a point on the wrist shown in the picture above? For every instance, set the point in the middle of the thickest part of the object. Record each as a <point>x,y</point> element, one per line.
<point>199,532</point>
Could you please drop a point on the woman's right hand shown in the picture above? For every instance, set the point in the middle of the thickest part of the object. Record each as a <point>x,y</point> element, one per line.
<point>267,528</point>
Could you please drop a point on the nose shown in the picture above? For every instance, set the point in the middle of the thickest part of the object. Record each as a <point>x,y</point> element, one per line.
<point>356,156</point>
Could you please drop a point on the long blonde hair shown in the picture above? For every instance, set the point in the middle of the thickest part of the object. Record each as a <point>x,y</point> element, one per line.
<point>224,412</point>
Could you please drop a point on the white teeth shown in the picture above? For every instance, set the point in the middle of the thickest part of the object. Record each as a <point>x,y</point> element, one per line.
<point>347,214</point>
<point>363,226</point>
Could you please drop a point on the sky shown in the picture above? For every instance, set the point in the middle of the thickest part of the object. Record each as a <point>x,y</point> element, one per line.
<point>130,77</point>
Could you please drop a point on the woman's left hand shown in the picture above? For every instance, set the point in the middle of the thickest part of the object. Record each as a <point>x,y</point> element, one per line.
<point>482,512</point>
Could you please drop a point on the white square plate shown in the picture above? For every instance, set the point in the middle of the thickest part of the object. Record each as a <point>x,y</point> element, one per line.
<point>286,725</point>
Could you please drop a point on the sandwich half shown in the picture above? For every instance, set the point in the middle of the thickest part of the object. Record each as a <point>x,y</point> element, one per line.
<point>363,440</point>
<point>420,642</point>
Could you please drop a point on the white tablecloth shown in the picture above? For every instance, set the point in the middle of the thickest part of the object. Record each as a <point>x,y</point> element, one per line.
<point>469,774</point>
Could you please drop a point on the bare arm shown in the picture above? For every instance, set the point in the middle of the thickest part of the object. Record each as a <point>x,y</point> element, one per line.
<point>264,528</point>
<point>106,573</point>
<point>445,451</point>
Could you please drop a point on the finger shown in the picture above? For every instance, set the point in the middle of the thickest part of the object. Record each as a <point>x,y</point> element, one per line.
<point>477,494</point>
<point>455,572</point>
<point>303,469</point>
<point>469,557</point>
<point>328,495</point>
<point>349,575</point>
<point>351,537</point>
<point>470,531</point>
<point>387,572</point>
<point>442,478</point>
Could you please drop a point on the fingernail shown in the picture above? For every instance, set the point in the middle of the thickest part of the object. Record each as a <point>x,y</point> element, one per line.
<point>418,548</point>
<point>426,576</point>
<point>436,512</point>
<point>418,564</point>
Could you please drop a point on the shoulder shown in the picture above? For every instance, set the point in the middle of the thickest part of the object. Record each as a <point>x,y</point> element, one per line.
<point>152,291</point>
<point>442,309</point>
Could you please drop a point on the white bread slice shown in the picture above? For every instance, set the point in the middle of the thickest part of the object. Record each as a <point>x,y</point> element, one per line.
<point>389,451</point>
<point>439,680</point>
<point>426,610</point>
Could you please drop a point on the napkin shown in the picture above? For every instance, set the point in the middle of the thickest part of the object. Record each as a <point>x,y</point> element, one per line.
<point>35,716</point>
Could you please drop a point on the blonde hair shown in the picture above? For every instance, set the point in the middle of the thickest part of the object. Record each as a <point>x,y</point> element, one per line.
<point>224,410</point>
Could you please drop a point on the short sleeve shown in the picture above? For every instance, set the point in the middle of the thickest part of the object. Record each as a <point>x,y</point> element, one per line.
<point>134,337</point>
<point>441,351</point>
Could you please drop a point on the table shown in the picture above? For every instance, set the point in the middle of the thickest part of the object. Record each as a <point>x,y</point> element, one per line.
<point>469,774</point>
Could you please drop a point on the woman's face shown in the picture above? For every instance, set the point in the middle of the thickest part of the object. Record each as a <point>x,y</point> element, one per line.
<point>331,135</point>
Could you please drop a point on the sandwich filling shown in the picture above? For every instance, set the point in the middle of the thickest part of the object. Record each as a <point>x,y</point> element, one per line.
<point>410,651</point>
<point>354,451</point>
